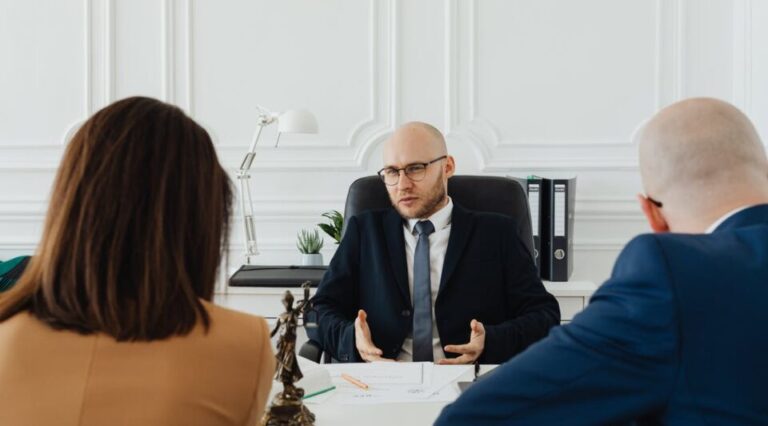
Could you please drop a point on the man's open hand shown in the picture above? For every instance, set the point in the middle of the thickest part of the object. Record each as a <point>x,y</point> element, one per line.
<point>363,340</point>
<point>470,351</point>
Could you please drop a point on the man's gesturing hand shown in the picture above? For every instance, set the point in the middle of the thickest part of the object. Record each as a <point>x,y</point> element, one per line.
<point>470,351</point>
<point>363,340</point>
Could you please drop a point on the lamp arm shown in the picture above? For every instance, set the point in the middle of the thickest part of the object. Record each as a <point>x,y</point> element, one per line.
<point>246,203</point>
<point>264,119</point>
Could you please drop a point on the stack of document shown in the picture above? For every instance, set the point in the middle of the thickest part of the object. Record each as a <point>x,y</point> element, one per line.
<point>391,382</point>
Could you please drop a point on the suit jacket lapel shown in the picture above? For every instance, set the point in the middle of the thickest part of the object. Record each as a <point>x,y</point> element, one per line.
<point>393,233</point>
<point>461,227</point>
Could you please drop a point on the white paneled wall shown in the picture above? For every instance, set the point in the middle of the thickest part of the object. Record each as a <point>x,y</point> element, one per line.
<point>551,87</point>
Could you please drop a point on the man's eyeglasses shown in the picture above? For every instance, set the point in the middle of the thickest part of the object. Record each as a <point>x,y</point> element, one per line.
<point>656,203</point>
<point>415,172</point>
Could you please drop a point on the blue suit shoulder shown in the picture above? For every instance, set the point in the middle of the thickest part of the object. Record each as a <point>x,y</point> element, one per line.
<point>672,248</point>
<point>638,253</point>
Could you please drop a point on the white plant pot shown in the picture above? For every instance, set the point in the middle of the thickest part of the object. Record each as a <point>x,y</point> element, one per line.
<point>315,259</point>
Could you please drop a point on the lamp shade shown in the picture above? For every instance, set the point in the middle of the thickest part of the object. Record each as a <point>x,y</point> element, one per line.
<point>297,121</point>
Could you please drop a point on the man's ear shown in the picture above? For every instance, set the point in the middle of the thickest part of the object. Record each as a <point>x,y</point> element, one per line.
<point>450,166</point>
<point>653,214</point>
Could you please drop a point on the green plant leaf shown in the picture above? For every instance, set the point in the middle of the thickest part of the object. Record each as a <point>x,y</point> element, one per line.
<point>309,242</point>
<point>327,228</point>
<point>333,229</point>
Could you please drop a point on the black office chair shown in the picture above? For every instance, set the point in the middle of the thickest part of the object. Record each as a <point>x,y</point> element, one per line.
<point>479,193</point>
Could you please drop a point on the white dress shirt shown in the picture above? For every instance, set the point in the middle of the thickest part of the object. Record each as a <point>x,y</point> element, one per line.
<point>723,218</point>
<point>438,245</point>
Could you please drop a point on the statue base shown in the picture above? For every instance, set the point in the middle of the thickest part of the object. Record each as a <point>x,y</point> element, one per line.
<point>287,410</point>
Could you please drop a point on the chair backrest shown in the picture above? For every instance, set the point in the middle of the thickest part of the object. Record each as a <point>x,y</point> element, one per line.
<point>479,193</point>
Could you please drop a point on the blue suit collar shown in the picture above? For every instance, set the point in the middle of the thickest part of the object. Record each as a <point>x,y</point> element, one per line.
<point>755,215</point>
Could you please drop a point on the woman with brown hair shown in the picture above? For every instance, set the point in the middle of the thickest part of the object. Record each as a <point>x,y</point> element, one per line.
<point>112,322</point>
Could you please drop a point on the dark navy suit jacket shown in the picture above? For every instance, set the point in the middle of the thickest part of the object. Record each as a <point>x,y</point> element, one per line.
<point>488,275</point>
<point>677,335</point>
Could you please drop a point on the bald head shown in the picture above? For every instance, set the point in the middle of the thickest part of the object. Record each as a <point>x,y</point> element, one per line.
<point>700,149</point>
<point>416,138</point>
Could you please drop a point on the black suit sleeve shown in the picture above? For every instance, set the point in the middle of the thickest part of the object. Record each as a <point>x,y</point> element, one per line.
<point>532,310</point>
<point>335,302</point>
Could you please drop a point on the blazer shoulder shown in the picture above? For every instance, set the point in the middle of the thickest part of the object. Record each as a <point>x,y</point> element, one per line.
<point>372,215</point>
<point>482,217</point>
<point>670,242</point>
<point>236,324</point>
<point>643,245</point>
<point>644,256</point>
<point>493,223</point>
<point>492,218</point>
<point>374,218</point>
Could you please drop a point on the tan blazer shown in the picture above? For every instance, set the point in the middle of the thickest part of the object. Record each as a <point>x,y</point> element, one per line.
<point>50,377</point>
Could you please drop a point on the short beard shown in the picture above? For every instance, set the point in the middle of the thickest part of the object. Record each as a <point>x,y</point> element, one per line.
<point>436,196</point>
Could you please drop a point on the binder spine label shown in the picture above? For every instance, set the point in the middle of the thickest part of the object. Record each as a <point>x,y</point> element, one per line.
<point>533,206</point>
<point>561,213</point>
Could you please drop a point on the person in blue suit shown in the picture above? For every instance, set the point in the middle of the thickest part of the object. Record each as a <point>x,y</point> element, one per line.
<point>677,334</point>
<point>429,280</point>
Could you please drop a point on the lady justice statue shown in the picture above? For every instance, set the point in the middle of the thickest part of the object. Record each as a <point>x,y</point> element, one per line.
<point>287,407</point>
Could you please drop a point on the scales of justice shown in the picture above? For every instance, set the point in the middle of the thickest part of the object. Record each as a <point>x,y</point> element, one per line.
<point>287,407</point>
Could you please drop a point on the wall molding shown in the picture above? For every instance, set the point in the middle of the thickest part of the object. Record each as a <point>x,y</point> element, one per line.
<point>167,60</point>
<point>496,154</point>
<point>742,55</point>
<point>100,53</point>
<point>176,63</point>
<point>384,66</point>
<point>362,138</point>
<point>177,77</point>
<point>268,246</point>
<point>670,51</point>
<point>296,209</point>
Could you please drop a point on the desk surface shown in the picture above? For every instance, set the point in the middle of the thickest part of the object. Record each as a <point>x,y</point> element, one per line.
<point>400,414</point>
<point>374,415</point>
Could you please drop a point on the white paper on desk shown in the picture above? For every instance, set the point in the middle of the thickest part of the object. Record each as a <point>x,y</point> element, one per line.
<point>444,375</point>
<point>396,382</point>
<point>382,372</point>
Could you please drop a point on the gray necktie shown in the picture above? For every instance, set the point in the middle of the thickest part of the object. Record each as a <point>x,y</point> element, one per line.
<point>422,295</point>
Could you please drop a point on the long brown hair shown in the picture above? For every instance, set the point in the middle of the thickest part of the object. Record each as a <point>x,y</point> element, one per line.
<point>136,227</point>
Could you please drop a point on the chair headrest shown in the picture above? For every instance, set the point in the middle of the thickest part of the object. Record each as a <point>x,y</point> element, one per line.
<point>479,193</point>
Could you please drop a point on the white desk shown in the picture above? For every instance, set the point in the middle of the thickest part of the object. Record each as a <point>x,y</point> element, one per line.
<point>400,414</point>
<point>572,297</point>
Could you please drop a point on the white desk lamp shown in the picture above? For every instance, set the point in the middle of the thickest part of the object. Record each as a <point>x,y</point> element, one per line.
<point>290,121</point>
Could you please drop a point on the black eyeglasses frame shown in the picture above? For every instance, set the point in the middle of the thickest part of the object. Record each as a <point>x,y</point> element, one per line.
<point>383,177</point>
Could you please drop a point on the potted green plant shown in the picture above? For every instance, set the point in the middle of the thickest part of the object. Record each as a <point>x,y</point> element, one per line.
<point>309,245</point>
<point>333,228</point>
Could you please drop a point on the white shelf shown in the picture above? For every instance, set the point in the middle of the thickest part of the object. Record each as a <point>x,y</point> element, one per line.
<point>572,297</point>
